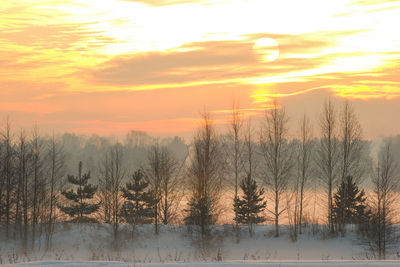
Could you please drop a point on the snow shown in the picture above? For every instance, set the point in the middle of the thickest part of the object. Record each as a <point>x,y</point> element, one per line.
<point>213,264</point>
<point>91,245</point>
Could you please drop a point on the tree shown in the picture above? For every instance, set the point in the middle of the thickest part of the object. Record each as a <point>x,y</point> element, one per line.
<point>303,168</point>
<point>351,146</point>
<point>155,176</point>
<point>249,207</point>
<point>327,154</point>
<point>112,175</point>
<point>80,207</point>
<point>304,165</point>
<point>24,156</point>
<point>138,206</point>
<point>248,159</point>
<point>386,185</point>
<point>278,157</point>
<point>350,204</point>
<point>170,185</point>
<point>7,173</point>
<point>236,123</point>
<point>56,172</point>
<point>38,185</point>
<point>205,175</point>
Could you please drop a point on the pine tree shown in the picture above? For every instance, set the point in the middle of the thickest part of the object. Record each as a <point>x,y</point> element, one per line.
<point>199,213</point>
<point>249,207</point>
<point>80,207</point>
<point>137,209</point>
<point>350,207</point>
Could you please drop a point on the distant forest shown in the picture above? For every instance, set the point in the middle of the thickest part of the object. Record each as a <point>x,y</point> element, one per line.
<point>266,174</point>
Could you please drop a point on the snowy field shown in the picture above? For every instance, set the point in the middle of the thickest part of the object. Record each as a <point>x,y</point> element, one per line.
<point>74,244</point>
<point>222,264</point>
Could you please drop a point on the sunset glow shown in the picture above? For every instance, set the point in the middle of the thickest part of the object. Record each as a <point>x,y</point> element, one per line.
<point>111,66</point>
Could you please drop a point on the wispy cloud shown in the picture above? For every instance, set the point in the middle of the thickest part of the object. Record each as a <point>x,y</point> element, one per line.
<point>30,107</point>
<point>167,2</point>
<point>197,61</point>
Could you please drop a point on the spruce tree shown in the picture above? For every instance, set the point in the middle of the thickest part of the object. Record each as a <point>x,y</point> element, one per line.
<point>350,206</point>
<point>137,209</point>
<point>199,213</point>
<point>249,207</point>
<point>80,207</point>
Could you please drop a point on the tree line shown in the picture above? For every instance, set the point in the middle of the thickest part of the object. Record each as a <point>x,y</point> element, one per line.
<point>267,172</point>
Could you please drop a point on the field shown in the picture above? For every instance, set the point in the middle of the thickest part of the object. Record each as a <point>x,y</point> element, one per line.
<point>175,245</point>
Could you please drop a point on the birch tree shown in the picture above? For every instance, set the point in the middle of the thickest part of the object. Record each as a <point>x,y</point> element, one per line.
<point>386,184</point>
<point>277,157</point>
<point>205,177</point>
<point>327,156</point>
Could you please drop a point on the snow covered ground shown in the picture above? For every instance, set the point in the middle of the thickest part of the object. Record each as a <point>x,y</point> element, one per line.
<point>213,264</point>
<point>72,242</point>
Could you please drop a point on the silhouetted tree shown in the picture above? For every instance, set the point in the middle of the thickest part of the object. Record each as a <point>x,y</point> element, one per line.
<point>328,154</point>
<point>350,204</point>
<point>351,147</point>
<point>38,186</point>
<point>80,207</point>
<point>7,175</point>
<point>251,204</point>
<point>138,207</point>
<point>56,172</point>
<point>205,175</point>
<point>112,174</point>
<point>24,156</point>
<point>277,157</point>
<point>386,184</point>
<point>236,123</point>
<point>154,175</point>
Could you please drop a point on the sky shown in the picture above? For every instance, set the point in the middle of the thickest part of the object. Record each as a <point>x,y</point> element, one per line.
<point>112,66</point>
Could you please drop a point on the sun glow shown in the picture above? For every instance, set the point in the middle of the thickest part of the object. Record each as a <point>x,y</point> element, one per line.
<point>267,49</point>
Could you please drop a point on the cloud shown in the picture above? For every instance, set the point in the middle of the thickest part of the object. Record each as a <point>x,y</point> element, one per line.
<point>167,2</point>
<point>28,91</point>
<point>216,61</point>
<point>66,36</point>
<point>205,61</point>
<point>372,2</point>
<point>30,107</point>
<point>196,61</point>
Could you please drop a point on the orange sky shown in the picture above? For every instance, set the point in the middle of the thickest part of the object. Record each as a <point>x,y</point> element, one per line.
<point>111,66</point>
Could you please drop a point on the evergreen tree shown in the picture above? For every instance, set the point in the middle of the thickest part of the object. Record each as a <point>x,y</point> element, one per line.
<point>199,213</point>
<point>80,207</point>
<point>137,209</point>
<point>249,207</point>
<point>350,207</point>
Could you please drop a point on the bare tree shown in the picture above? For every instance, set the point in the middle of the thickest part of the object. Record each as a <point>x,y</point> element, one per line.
<point>236,123</point>
<point>104,192</point>
<point>304,165</point>
<point>162,173</point>
<point>205,176</point>
<point>23,156</point>
<point>56,159</point>
<point>8,173</point>
<point>248,155</point>
<point>351,146</point>
<point>171,185</point>
<point>386,185</point>
<point>277,157</point>
<point>350,142</point>
<point>112,176</point>
<point>37,172</point>
<point>154,177</point>
<point>327,154</point>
